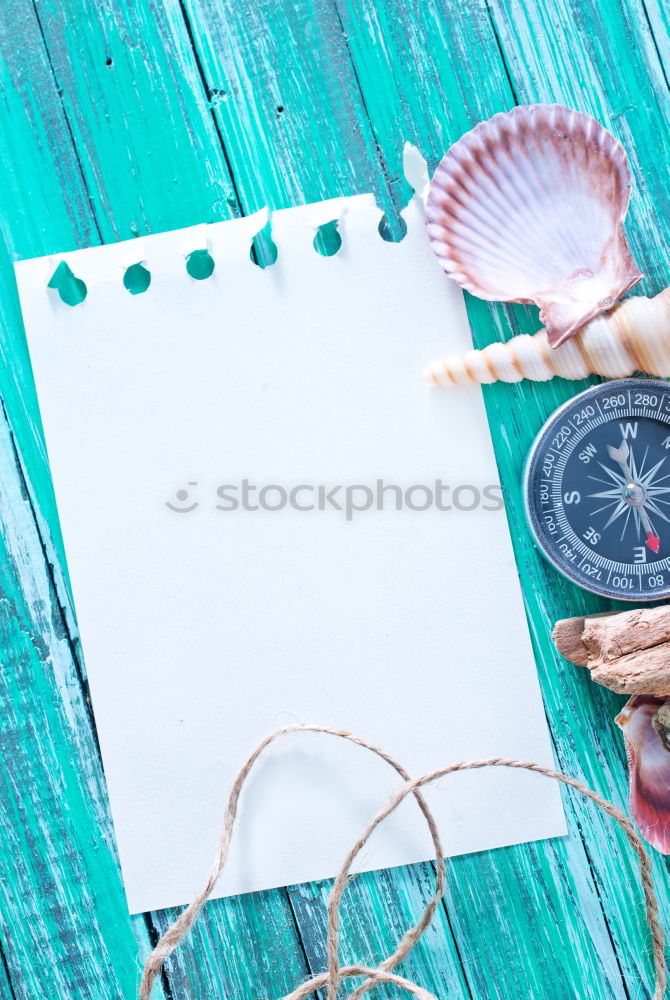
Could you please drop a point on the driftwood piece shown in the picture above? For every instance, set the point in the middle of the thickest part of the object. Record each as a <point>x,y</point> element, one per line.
<point>627,652</point>
<point>568,638</point>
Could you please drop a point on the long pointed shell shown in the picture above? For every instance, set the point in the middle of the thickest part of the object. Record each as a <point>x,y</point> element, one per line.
<point>644,723</point>
<point>528,207</point>
<point>634,336</point>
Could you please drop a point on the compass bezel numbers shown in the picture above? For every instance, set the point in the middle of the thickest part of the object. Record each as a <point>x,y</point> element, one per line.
<point>625,402</point>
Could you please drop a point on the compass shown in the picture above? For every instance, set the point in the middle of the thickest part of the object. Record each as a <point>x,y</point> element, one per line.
<point>597,489</point>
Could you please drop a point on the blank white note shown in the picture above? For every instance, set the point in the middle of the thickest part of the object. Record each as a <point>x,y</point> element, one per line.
<point>373,588</point>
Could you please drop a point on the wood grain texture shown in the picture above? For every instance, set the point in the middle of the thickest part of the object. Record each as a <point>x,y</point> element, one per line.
<point>119,119</point>
<point>627,652</point>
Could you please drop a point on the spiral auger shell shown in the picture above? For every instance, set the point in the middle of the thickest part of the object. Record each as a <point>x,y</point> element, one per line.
<point>634,336</point>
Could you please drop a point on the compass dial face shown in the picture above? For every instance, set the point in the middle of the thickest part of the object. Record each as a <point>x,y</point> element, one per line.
<point>597,489</point>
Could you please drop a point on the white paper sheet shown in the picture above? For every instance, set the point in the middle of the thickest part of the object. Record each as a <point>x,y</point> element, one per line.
<point>202,630</point>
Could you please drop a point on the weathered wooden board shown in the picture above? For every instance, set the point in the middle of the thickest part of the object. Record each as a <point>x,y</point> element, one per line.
<point>125,118</point>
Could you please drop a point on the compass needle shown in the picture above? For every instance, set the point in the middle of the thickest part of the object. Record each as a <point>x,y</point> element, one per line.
<point>635,475</point>
<point>599,510</point>
<point>606,482</point>
<point>662,478</point>
<point>649,476</point>
<point>606,495</point>
<point>612,474</point>
<point>620,509</point>
<point>652,506</point>
<point>644,460</point>
<point>597,489</point>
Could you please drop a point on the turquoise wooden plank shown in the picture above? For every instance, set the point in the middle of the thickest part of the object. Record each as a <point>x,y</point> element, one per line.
<point>44,198</point>
<point>633,102</point>
<point>46,733</point>
<point>129,81</point>
<point>6,991</point>
<point>377,909</point>
<point>64,926</point>
<point>259,149</point>
<point>533,897</point>
<point>242,947</point>
<point>427,76</point>
<point>35,185</point>
<point>287,101</point>
<point>657,15</point>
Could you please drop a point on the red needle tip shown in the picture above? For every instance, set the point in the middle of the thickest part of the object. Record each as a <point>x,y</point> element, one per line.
<point>653,542</point>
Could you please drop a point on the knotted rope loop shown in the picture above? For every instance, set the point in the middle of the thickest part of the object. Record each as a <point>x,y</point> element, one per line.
<point>336,974</point>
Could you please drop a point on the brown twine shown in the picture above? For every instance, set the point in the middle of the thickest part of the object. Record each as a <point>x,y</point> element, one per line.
<point>412,786</point>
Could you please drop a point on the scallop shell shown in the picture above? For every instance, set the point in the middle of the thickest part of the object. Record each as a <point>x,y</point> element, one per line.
<point>528,207</point>
<point>644,720</point>
<point>634,336</point>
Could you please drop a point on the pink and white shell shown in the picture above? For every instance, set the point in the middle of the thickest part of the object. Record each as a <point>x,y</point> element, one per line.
<point>529,207</point>
<point>649,767</point>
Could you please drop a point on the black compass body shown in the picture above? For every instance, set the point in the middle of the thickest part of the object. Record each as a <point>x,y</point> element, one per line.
<point>597,489</point>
